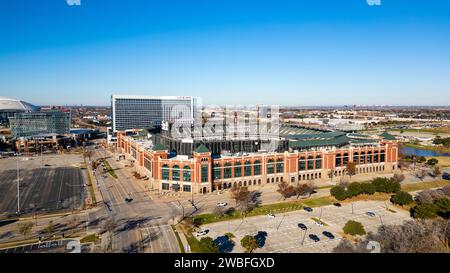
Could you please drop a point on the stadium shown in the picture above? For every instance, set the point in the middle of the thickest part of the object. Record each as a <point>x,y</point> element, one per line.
<point>9,107</point>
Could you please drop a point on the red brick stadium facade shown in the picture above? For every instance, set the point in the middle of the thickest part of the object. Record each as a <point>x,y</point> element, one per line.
<point>201,173</point>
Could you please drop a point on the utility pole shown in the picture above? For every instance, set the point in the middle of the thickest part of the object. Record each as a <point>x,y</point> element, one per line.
<point>18,187</point>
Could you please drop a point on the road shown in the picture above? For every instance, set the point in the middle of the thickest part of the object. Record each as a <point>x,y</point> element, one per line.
<point>142,224</point>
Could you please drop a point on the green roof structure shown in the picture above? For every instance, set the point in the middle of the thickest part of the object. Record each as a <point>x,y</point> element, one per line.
<point>387,136</point>
<point>202,149</point>
<point>158,147</point>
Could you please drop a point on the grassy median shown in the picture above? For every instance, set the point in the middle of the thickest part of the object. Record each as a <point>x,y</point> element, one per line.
<point>275,208</point>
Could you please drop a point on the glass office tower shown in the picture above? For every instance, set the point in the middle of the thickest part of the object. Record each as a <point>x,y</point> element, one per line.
<point>144,112</point>
<point>39,123</point>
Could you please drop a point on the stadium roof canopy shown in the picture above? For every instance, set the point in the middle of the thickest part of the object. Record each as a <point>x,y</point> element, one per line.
<point>14,105</point>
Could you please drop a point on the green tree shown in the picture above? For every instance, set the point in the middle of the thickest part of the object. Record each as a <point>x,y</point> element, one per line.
<point>425,211</point>
<point>432,161</point>
<point>354,228</point>
<point>402,198</point>
<point>249,243</point>
<point>207,245</point>
<point>443,207</point>
<point>354,189</point>
<point>367,188</point>
<point>338,192</point>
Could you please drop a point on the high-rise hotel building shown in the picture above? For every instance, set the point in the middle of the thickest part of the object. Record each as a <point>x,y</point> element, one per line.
<point>145,112</point>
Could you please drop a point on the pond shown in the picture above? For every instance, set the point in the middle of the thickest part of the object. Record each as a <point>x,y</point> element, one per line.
<point>422,152</point>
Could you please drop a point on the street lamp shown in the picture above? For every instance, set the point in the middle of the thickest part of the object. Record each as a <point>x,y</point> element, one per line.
<point>18,187</point>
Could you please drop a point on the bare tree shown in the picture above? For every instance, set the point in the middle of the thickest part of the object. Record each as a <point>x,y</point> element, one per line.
<point>311,187</point>
<point>398,177</point>
<point>25,228</point>
<point>351,169</point>
<point>436,171</point>
<point>301,189</point>
<point>242,197</point>
<point>421,173</point>
<point>285,190</point>
<point>430,236</point>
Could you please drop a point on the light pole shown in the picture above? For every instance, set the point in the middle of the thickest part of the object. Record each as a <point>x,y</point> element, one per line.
<point>18,187</point>
<point>304,236</point>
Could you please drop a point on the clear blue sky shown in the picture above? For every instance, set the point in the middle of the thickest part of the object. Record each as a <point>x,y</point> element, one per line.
<point>310,52</point>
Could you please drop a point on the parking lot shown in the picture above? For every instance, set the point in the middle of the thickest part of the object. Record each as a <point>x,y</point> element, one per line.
<point>60,246</point>
<point>284,235</point>
<point>58,184</point>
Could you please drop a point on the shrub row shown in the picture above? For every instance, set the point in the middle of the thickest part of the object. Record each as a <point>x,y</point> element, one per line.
<point>379,184</point>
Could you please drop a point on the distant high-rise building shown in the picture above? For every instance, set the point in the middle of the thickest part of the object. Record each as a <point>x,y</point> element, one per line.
<point>144,112</point>
<point>39,123</point>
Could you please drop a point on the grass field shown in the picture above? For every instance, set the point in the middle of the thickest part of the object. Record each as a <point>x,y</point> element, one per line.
<point>444,161</point>
<point>425,185</point>
<point>109,169</point>
<point>180,244</point>
<point>275,208</point>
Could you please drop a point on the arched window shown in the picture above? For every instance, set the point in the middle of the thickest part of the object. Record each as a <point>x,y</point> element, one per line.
<point>217,171</point>
<point>302,164</point>
<point>204,173</point>
<point>227,170</point>
<point>257,167</point>
<point>280,165</point>
<point>376,157</point>
<point>338,160</point>
<point>176,173</point>
<point>248,168</point>
<point>345,159</point>
<point>237,169</point>
<point>362,158</point>
<point>369,157</point>
<point>382,156</point>
<point>318,162</point>
<point>270,166</point>
<point>355,158</point>
<point>186,173</point>
<point>310,163</point>
<point>165,172</point>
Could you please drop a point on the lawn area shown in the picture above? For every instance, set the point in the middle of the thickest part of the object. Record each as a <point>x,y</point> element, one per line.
<point>180,244</point>
<point>193,243</point>
<point>91,189</point>
<point>425,185</point>
<point>92,238</point>
<point>275,208</point>
<point>444,161</point>
<point>443,130</point>
<point>109,169</point>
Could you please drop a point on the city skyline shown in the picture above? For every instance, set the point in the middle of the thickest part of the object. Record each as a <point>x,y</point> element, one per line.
<point>313,53</point>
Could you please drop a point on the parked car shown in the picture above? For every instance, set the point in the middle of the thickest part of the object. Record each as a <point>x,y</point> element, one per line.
<point>328,234</point>
<point>445,176</point>
<point>222,204</point>
<point>128,199</point>
<point>202,232</point>
<point>337,205</point>
<point>308,209</point>
<point>302,226</point>
<point>270,215</point>
<point>371,214</point>
<point>319,223</point>
<point>314,237</point>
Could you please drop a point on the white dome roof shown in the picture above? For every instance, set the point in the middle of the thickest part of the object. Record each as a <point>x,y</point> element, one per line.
<point>7,104</point>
